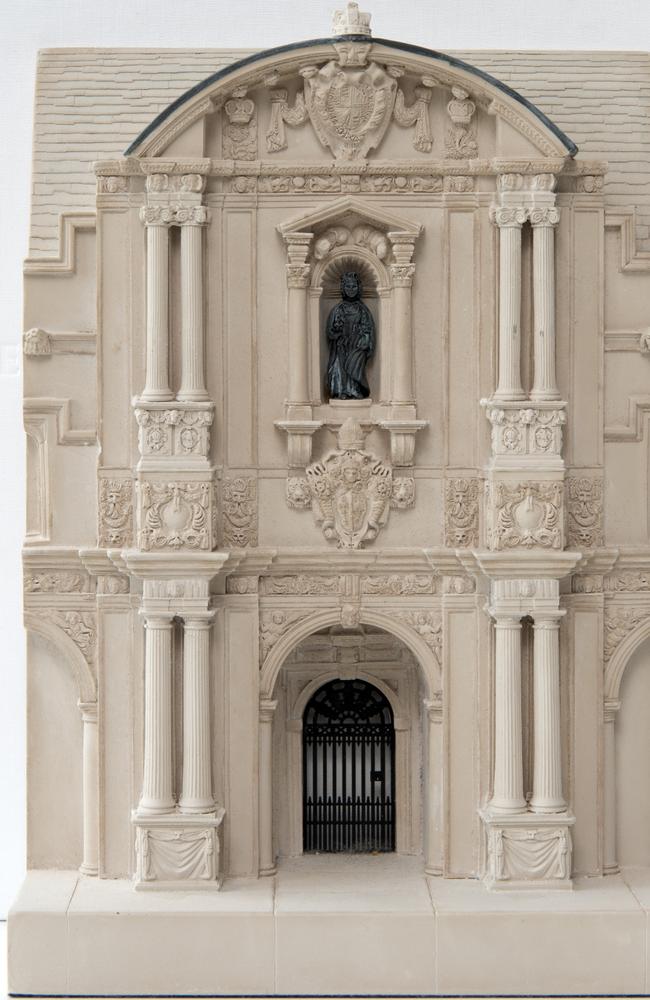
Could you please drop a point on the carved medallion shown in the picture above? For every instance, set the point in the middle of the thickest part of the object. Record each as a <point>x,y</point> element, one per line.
<point>350,490</point>
<point>350,107</point>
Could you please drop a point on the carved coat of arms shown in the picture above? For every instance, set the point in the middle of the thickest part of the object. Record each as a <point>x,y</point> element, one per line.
<point>350,490</point>
<point>350,107</point>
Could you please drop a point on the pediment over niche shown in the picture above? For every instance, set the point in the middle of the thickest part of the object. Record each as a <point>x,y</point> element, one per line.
<point>350,98</point>
<point>350,212</point>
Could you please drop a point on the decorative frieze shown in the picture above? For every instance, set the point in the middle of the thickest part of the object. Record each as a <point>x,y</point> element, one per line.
<point>165,432</point>
<point>302,584</point>
<point>398,584</point>
<point>461,512</point>
<point>54,582</point>
<point>240,127</point>
<point>524,515</point>
<point>176,515</point>
<point>584,512</point>
<point>115,509</point>
<point>239,512</point>
<point>631,581</point>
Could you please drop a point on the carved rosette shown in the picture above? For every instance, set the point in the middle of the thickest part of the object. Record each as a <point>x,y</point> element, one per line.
<point>524,515</point>
<point>239,512</point>
<point>115,527</point>
<point>174,432</point>
<point>584,512</point>
<point>176,515</point>
<point>531,431</point>
<point>461,512</point>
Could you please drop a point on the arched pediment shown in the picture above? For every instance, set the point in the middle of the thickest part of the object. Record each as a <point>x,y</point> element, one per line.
<point>400,78</point>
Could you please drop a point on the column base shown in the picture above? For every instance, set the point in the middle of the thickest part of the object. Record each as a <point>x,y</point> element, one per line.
<point>528,850</point>
<point>178,850</point>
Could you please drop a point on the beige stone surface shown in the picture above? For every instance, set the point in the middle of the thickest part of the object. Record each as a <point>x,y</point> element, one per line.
<point>210,538</point>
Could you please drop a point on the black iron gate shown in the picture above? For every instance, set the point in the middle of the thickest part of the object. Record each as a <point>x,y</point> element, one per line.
<point>348,769</point>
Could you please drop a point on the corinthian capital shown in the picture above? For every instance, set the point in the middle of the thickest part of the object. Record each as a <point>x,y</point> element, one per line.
<point>508,217</point>
<point>174,215</point>
<point>546,216</point>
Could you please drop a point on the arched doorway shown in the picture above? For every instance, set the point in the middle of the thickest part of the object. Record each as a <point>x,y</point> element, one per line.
<point>348,769</point>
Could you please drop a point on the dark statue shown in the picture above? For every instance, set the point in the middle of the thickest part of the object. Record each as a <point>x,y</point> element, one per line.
<point>351,335</point>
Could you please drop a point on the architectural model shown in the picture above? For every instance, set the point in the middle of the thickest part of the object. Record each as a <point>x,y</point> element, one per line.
<point>337,557</point>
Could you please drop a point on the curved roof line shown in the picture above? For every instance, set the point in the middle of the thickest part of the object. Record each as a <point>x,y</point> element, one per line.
<point>419,50</point>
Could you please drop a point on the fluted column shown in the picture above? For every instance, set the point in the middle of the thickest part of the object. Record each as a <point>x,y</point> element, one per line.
<point>90,777</point>
<point>610,860</point>
<point>509,220</point>
<point>267,856</point>
<point>402,272</point>
<point>508,791</point>
<point>543,221</point>
<point>157,354</point>
<point>196,795</point>
<point>157,784</point>
<point>298,272</point>
<point>433,797</point>
<point>192,386</point>
<point>547,764</point>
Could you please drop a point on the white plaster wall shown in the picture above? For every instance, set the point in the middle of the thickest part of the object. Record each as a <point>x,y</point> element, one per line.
<point>39,23</point>
<point>633,761</point>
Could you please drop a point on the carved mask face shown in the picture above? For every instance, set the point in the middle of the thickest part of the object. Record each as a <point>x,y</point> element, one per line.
<point>350,286</point>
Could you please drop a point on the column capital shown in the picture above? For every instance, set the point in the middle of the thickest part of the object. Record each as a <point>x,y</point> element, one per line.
<point>174,215</point>
<point>547,619</point>
<point>610,709</point>
<point>433,708</point>
<point>544,216</point>
<point>157,619</point>
<point>197,620</point>
<point>88,710</point>
<point>267,709</point>
<point>506,619</point>
<point>298,275</point>
<point>508,216</point>
<point>402,275</point>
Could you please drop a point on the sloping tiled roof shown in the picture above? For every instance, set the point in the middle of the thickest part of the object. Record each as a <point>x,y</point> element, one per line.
<point>91,103</point>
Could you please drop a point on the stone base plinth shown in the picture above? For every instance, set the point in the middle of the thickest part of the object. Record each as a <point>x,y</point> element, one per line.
<point>329,925</point>
<point>178,850</point>
<point>528,850</point>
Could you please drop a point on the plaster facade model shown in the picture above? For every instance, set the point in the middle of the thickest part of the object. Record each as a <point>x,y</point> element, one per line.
<point>226,514</point>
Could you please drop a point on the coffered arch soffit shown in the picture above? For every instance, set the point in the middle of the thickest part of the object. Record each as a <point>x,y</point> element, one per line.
<point>271,67</point>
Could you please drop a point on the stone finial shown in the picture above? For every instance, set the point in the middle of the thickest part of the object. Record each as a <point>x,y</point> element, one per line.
<point>351,21</point>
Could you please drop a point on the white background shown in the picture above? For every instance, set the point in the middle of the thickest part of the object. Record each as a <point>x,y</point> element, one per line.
<point>32,24</point>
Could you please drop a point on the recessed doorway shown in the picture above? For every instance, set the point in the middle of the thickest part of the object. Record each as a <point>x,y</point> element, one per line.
<point>348,769</point>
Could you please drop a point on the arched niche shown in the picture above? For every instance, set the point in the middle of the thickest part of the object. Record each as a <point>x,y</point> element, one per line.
<point>341,234</point>
<point>632,760</point>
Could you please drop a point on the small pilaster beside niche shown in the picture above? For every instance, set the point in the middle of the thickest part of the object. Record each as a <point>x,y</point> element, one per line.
<point>350,237</point>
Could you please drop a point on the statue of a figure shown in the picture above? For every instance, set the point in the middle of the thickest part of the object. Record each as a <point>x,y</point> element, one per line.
<point>351,335</point>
